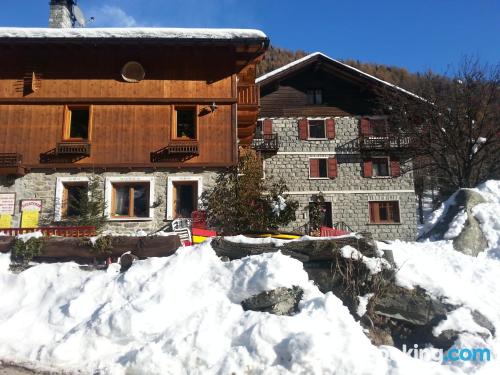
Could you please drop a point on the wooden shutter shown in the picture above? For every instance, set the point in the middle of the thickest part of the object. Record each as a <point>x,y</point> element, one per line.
<point>303,128</point>
<point>332,168</point>
<point>330,128</point>
<point>395,168</point>
<point>373,212</point>
<point>367,168</point>
<point>314,168</point>
<point>365,127</point>
<point>267,127</point>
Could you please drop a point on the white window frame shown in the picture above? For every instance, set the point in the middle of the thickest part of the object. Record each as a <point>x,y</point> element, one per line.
<point>309,138</point>
<point>389,174</point>
<point>108,193</point>
<point>60,181</point>
<point>309,168</point>
<point>170,190</point>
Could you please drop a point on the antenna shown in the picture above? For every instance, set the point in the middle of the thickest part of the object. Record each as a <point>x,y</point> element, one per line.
<point>77,16</point>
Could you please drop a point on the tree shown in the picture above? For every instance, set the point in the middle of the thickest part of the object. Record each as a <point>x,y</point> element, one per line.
<point>453,124</point>
<point>242,202</point>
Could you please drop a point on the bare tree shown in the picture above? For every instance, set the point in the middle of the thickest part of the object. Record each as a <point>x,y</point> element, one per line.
<point>454,125</point>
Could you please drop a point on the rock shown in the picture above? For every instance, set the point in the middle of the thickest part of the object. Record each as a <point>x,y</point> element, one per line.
<point>279,301</point>
<point>126,261</point>
<point>411,306</point>
<point>482,321</point>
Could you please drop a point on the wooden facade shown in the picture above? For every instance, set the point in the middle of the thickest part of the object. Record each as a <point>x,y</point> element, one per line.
<point>130,123</point>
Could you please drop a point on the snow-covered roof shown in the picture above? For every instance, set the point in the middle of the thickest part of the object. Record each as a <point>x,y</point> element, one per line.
<point>130,33</point>
<point>275,72</point>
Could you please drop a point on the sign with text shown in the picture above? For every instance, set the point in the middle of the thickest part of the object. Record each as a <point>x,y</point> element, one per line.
<point>5,221</point>
<point>30,212</point>
<point>7,203</point>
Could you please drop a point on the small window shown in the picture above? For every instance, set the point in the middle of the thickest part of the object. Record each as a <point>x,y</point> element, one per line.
<point>185,127</point>
<point>258,130</point>
<point>384,212</point>
<point>185,198</point>
<point>379,128</point>
<point>78,124</point>
<point>380,167</point>
<point>315,96</point>
<point>317,129</point>
<point>318,168</point>
<point>130,200</point>
<point>74,199</point>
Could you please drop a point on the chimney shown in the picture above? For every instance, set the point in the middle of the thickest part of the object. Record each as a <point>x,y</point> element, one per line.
<point>60,14</point>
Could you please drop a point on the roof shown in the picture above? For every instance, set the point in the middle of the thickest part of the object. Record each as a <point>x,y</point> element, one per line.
<point>306,60</point>
<point>157,34</point>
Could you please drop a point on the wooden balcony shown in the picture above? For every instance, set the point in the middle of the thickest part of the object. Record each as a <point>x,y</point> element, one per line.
<point>73,148</point>
<point>11,164</point>
<point>177,150</point>
<point>248,95</point>
<point>390,142</point>
<point>266,143</point>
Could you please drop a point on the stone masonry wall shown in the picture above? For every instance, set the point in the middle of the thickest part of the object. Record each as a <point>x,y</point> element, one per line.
<point>42,185</point>
<point>349,192</point>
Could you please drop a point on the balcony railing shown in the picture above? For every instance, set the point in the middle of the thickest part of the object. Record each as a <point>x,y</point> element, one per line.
<point>176,149</point>
<point>266,142</point>
<point>371,142</point>
<point>248,95</point>
<point>11,164</point>
<point>73,148</point>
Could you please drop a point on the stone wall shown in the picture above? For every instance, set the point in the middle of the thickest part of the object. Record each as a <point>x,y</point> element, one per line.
<point>349,192</point>
<point>42,185</point>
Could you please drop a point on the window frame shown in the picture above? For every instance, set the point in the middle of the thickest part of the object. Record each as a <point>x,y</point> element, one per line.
<point>60,182</point>
<point>174,135</point>
<point>313,93</point>
<point>309,168</point>
<point>132,180</point>
<point>131,189</point>
<point>170,191</point>
<point>67,123</point>
<point>309,130</point>
<point>388,161</point>
<point>372,220</point>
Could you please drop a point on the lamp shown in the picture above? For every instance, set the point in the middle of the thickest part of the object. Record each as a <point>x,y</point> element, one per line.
<point>213,107</point>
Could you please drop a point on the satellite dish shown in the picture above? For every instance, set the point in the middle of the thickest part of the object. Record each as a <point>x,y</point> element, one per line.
<point>133,72</point>
<point>78,16</point>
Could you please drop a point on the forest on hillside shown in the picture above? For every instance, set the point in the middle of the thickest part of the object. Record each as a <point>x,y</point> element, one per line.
<point>277,57</point>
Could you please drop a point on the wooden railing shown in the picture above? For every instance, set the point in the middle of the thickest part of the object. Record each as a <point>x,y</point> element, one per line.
<point>73,148</point>
<point>266,142</point>
<point>371,142</point>
<point>248,95</point>
<point>51,231</point>
<point>175,149</point>
<point>8,160</point>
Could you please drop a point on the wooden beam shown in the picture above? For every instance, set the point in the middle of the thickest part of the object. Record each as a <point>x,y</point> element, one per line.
<point>118,100</point>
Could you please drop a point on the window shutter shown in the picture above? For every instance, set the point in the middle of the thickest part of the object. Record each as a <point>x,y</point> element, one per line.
<point>267,127</point>
<point>395,168</point>
<point>314,168</point>
<point>332,168</point>
<point>365,127</point>
<point>303,128</point>
<point>373,212</point>
<point>330,128</point>
<point>367,168</point>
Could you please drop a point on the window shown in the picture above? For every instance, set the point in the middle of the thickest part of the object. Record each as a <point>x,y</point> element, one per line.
<point>380,167</point>
<point>318,168</point>
<point>384,212</point>
<point>77,126</point>
<point>317,129</point>
<point>185,123</point>
<point>379,128</point>
<point>130,199</point>
<point>183,193</point>
<point>74,197</point>
<point>315,96</point>
<point>325,214</point>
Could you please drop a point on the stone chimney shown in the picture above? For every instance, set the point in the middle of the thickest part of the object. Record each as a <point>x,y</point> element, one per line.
<point>60,14</point>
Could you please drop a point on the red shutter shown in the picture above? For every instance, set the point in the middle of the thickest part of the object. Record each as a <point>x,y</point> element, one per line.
<point>365,127</point>
<point>395,168</point>
<point>330,128</point>
<point>314,168</point>
<point>367,168</point>
<point>373,212</point>
<point>332,167</point>
<point>267,127</point>
<point>303,128</point>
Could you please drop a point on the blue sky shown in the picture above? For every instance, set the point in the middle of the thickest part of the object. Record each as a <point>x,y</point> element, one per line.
<point>416,34</point>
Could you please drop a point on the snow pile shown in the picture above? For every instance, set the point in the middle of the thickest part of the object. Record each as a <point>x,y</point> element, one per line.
<point>456,226</point>
<point>374,265</point>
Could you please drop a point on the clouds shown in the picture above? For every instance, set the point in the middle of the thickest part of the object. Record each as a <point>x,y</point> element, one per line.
<point>112,16</point>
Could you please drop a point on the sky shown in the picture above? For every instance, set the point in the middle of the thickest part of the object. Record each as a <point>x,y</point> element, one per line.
<point>415,34</point>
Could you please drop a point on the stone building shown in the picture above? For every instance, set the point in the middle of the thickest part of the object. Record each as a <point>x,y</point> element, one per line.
<point>155,113</point>
<point>319,131</point>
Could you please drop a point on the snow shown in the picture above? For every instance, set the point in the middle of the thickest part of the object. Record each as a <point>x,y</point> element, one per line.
<point>26,236</point>
<point>312,55</point>
<point>459,320</point>
<point>279,205</point>
<point>456,225</point>
<point>374,265</point>
<point>363,303</point>
<point>131,33</point>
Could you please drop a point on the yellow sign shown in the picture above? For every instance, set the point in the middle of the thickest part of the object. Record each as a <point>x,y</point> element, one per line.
<point>5,221</point>
<point>29,219</point>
